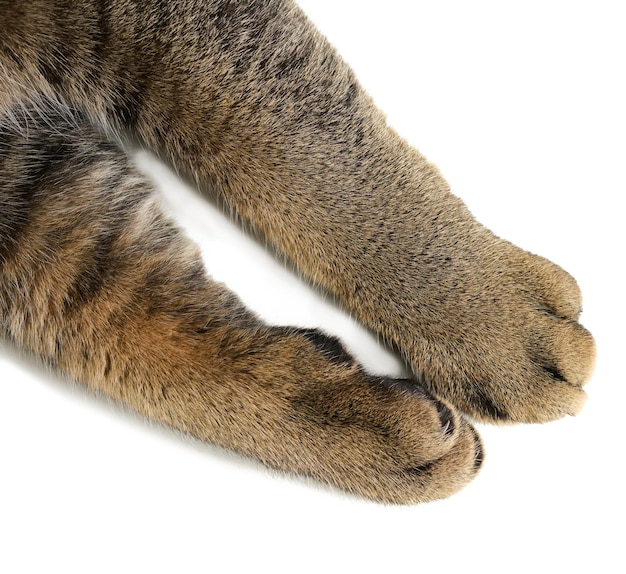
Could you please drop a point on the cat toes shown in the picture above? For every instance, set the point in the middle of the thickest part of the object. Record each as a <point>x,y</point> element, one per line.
<point>563,356</point>
<point>430,451</point>
<point>548,284</point>
<point>389,440</point>
<point>550,355</point>
<point>562,352</point>
<point>518,354</point>
<point>445,475</point>
<point>538,381</point>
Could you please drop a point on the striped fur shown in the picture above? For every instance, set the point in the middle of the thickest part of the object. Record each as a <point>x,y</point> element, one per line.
<point>248,98</point>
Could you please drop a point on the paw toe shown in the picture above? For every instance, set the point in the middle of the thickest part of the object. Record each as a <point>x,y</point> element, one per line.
<point>458,466</point>
<point>575,352</point>
<point>427,451</point>
<point>551,286</point>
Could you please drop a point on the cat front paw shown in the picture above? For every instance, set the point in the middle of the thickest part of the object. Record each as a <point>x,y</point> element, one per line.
<point>386,439</point>
<point>508,346</point>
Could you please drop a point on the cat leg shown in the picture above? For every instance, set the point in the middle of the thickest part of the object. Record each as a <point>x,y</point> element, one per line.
<point>252,101</point>
<point>97,281</point>
<point>283,131</point>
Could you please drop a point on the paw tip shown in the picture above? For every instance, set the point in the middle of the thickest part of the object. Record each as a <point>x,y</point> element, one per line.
<point>578,404</point>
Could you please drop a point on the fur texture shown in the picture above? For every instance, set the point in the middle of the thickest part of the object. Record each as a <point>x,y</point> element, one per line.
<point>248,98</point>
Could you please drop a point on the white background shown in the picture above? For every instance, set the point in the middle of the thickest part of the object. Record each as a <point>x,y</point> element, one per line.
<point>522,106</point>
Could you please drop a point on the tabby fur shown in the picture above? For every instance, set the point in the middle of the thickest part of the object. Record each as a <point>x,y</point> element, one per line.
<point>251,101</point>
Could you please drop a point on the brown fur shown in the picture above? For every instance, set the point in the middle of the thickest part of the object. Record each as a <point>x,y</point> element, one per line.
<point>249,99</point>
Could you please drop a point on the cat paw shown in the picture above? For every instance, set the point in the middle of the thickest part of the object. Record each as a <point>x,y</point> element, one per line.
<point>385,439</point>
<point>515,351</point>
